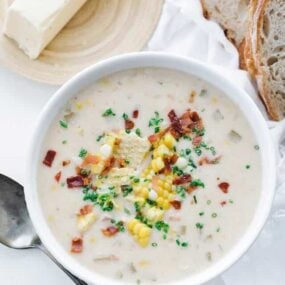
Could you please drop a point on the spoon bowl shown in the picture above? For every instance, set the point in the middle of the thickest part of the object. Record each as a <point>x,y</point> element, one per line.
<point>16,228</point>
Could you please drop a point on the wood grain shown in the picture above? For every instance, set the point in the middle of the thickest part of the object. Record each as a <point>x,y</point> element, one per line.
<point>102,28</point>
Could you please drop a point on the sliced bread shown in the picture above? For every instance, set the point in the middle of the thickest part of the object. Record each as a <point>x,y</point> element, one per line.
<point>264,53</point>
<point>232,15</point>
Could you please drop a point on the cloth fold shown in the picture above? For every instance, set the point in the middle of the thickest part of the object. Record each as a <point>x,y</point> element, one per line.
<point>183,30</point>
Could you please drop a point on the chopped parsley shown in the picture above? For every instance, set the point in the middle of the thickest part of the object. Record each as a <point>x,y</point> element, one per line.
<point>247,166</point>
<point>82,153</point>
<point>100,137</point>
<point>199,226</point>
<point>63,124</point>
<point>108,112</point>
<point>181,191</point>
<point>231,201</point>
<point>197,183</point>
<point>176,170</point>
<point>201,214</point>
<point>138,132</point>
<point>181,243</point>
<point>155,122</point>
<point>119,225</point>
<point>198,150</point>
<point>162,226</point>
<point>126,190</point>
<point>104,201</point>
<point>125,116</point>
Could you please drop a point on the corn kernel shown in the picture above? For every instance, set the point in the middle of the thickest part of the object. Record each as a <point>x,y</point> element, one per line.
<point>169,140</point>
<point>144,242</point>
<point>157,164</point>
<point>165,205</point>
<point>159,200</point>
<point>78,105</point>
<point>144,232</point>
<point>137,228</point>
<point>161,151</point>
<point>165,194</point>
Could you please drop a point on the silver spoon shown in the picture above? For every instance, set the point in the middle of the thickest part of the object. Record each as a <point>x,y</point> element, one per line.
<point>16,229</point>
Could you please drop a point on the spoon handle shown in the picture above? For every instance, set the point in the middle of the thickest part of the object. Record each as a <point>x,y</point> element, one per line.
<point>76,280</point>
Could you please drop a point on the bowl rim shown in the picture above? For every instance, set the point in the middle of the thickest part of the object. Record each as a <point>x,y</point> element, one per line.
<point>161,60</point>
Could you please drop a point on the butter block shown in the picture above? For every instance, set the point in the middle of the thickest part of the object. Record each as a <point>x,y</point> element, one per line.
<point>34,23</point>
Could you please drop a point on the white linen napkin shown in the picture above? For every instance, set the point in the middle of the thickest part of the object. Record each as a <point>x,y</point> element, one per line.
<point>183,30</point>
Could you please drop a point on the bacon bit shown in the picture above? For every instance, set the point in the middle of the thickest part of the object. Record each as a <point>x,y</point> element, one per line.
<point>86,181</point>
<point>192,96</point>
<point>175,128</point>
<point>182,179</point>
<point>48,160</point>
<point>167,166</point>
<point>75,181</point>
<point>57,176</point>
<point>154,138</point>
<point>87,209</point>
<point>66,162</point>
<point>110,231</point>
<point>173,158</point>
<point>176,204</point>
<point>190,189</point>
<point>195,116</point>
<point>76,245</point>
<point>91,159</point>
<point>224,186</point>
<point>117,141</point>
<point>206,160</point>
<point>223,203</point>
<point>135,114</point>
<point>197,140</point>
<point>109,163</point>
<point>129,124</point>
<point>172,116</point>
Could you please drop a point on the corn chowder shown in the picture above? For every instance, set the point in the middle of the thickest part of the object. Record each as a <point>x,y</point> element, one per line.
<point>149,176</point>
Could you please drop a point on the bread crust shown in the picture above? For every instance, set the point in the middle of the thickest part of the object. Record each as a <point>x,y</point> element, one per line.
<point>253,56</point>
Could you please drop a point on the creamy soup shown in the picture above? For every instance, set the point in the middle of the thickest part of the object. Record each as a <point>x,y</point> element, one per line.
<point>149,175</point>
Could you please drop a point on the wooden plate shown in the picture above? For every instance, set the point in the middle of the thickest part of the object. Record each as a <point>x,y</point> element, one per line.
<point>102,28</point>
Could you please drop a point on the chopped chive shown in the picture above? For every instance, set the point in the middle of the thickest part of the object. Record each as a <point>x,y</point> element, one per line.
<point>247,166</point>
<point>108,112</point>
<point>199,226</point>
<point>100,137</point>
<point>256,147</point>
<point>154,244</point>
<point>201,214</point>
<point>214,215</point>
<point>82,153</point>
<point>231,201</point>
<point>63,124</point>
<point>195,199</point>
<point>209,202</point>
<point>125,116</point>
<point>127,131</point>
<point>218,229</point>
<point>64,142</point>
<point>138,132</point>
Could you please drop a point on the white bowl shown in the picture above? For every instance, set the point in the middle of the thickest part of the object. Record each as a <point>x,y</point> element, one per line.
<point>148,59</point>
